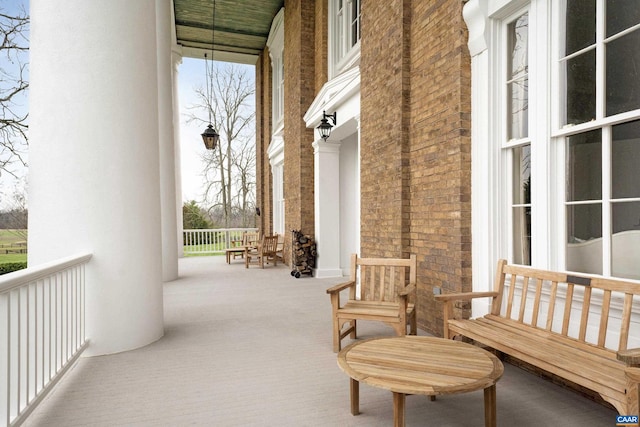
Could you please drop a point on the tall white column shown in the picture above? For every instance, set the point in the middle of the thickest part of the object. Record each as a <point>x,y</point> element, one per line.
<point>327,207</point>
<point>176,60</point>
<point>166,140</point>
<point>94,160</point>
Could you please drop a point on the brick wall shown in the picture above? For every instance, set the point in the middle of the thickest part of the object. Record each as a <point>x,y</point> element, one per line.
<point>415,143</point>
<point>384,139</point>
<point>440,159</point>
<point>415,135</point>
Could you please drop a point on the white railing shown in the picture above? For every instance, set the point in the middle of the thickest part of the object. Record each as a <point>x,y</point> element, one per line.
<point>42,332</point>
<point>210,241</point>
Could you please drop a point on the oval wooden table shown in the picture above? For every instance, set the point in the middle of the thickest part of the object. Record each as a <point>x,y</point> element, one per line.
<point>421,365</point>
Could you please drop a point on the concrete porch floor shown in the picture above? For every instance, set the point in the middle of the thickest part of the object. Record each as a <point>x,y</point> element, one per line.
<point>253,348</point>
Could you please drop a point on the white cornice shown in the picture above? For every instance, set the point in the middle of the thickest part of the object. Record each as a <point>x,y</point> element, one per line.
<point>333,93</point>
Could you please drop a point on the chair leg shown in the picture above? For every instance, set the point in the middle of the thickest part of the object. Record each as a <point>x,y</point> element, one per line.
<point>413,324</point>
<point>336,335</point>
<point>353,334</point>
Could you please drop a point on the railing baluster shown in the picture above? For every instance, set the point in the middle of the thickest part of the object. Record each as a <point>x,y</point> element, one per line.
<point>41,332</point>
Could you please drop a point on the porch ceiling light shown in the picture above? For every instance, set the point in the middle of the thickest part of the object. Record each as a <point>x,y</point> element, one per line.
<point>210,137</point>
<point>324,128</point>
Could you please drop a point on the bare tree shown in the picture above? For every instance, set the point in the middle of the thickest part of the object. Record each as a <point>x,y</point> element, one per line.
<point>229,172</point>
<point>14,46</point>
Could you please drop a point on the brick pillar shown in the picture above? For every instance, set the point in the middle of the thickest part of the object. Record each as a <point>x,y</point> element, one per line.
<point>299,93</point>
<point>385,77</point>
<point>263,138</point>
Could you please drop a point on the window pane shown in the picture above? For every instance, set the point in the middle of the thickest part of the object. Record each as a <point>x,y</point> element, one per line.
<point>584,233</point>
<point>518,82</point>
<point>581,88</point>
<point>522,235</point>
<point>518,44</point>
<point>518,104</point>
<point>355,22</point>
<point>625,240</point>
<point>623,74</point>
<point>622,14</point>
<point>522,175</point>
<point>625,160</point>
<point>580,25</point>
<point>584,167</point>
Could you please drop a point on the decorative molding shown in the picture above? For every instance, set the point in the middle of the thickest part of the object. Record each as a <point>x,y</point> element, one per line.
<point>475,14</point>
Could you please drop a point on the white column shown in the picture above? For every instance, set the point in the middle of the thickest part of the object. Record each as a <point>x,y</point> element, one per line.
<point>176,59</point>
<point>327,208</point>
<point>94,160</point>
<point>484,224</point>
<point>166,140</point>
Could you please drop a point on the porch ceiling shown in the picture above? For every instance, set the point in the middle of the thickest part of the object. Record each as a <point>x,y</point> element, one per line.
<point>241,27</point>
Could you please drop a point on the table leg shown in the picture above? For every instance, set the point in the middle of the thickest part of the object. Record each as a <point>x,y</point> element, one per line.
<point>490,406</point>
<point>354,389</point>
<point>398,409</point>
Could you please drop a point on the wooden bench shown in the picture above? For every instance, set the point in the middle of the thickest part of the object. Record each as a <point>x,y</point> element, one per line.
<point>575,327</point>
<point>387,294</point>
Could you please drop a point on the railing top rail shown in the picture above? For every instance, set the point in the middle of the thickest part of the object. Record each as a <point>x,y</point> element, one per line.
<point>15,279</point>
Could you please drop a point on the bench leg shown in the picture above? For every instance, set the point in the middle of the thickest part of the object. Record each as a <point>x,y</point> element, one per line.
<point>398,409</point>
<point>490,406</point>
<point>354,395</point>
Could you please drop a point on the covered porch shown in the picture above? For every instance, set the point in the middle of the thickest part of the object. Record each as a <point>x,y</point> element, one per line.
<point>253,347</point>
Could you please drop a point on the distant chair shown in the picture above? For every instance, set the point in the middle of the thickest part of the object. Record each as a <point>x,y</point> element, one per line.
<point>249,239</point>
<point>265,251</point>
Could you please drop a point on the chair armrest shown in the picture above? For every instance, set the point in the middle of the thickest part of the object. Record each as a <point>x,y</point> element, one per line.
<point>409,289</point>
<point>464,296</point>
<point>340,287</point>
<point>630,357</point>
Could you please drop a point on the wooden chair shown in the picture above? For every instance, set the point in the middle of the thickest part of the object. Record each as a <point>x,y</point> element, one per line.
<point>280,250</point>
<point>387,294</point>
<point>265,251</point>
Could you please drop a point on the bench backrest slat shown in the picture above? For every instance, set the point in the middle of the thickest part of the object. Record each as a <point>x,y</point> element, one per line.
<point>626,318</point>
<point>604,318</point>
<point>511,294</point>
<point>584,319</point>
<point>583,308</point>
<point>552,305</point>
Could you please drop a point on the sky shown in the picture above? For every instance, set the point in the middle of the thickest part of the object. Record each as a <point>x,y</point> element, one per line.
<point>191,75</point>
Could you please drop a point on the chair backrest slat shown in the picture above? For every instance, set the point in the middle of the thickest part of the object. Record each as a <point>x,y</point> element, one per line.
<point>381,278</point>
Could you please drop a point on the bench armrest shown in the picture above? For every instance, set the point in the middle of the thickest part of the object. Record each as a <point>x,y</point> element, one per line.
<point>340,287</point>
<point>447,305</point>
<point>409,289</point>
<point>630,357</point>
<point>464,296</point>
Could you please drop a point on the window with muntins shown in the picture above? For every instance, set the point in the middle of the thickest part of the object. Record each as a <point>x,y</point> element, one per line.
<point>344,33</point>
<point>599,67</point>
<point>517,143</point>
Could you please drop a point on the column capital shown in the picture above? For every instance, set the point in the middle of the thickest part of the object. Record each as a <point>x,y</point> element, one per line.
<point>322,146</point>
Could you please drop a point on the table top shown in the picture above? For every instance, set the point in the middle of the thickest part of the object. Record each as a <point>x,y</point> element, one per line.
<point>420,365</point>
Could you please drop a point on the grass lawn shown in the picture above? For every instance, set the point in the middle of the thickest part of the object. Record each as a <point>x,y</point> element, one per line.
<point>12,236</point>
